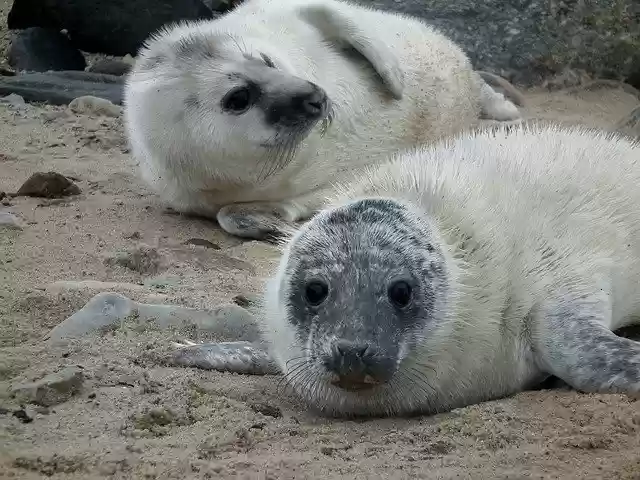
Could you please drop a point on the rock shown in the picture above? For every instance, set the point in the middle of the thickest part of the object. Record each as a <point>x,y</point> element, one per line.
<point>227,322</point>
<point>630,125</point>
<point>51,390</point>
<point>266,409</point>
<point>202,243</point>
<point>142,259</point>
<point>13,99</point>
<point>527,40</point>
<point>110,67</point>
<point>48,185</point>
<point>41,49</point>
<point>9,221</point>
<point>60,88</point>
<point>89,104</point>
<point>114,27</point>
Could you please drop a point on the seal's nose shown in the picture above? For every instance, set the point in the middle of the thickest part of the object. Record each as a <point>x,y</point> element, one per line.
<point>357,366</point>
<point>309,105</point>
<point>314,104</point>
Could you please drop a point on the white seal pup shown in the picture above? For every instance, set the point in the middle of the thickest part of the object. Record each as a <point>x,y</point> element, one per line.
<point>463,272</point>
<point>229,119</point>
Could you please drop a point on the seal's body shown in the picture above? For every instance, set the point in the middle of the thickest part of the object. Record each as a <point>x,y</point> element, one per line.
<point>464,272</point>
<point>251,117</point>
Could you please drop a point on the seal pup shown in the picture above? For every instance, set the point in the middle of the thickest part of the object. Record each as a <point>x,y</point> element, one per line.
<point>462,272</point>
<point>251,117</point>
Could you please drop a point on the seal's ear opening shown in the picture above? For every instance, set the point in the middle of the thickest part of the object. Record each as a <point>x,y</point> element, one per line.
<point>341,29</point>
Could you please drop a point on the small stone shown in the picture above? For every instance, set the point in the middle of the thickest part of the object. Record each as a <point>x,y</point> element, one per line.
<point>13,99</point>
<point>48,185</point>
<point>22,416</point>
<point>6,202</point>
<point>51,390</point>
<point>202,243</point>
<point>266,410</point>
<point>88,104</point>
<point>132,236</point>
<point>142,259</point>
<point>9,221</point>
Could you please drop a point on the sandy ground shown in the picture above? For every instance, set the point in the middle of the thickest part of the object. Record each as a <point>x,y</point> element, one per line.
<point>133,418</point>
<point>136,419</point>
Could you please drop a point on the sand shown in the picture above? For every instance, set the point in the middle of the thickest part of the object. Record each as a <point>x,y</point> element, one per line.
<point>134,418</point>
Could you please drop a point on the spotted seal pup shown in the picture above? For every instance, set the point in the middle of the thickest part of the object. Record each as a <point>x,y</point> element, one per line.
<point>459,273</point>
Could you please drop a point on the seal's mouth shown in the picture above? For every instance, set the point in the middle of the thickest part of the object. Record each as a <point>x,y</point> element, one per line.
<point>354,382</point>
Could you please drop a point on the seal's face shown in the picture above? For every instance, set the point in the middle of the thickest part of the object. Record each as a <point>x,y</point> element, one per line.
<point>244,99</point>
<point>365,285</point>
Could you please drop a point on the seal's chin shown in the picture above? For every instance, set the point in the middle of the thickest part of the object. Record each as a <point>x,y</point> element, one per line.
<point>354,383</point>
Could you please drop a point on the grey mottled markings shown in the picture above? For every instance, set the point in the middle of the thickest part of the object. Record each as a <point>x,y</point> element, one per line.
<point>237,357</point>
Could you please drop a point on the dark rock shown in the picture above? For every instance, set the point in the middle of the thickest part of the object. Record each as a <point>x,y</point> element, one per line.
<point>115,27</point>
<point>527,40</point>
<point>22,416</point>
<point>60,88</point>
<point>41,49</point>
<point>48,185</point>
<point>110,67</point>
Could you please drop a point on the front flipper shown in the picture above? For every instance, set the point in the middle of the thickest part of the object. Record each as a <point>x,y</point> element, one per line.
<point>572,342</point>
<point>258,221</point>
<point>339,27</point>
<point>237,357</point>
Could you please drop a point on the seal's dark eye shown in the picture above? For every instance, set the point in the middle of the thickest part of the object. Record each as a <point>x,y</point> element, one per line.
<point>316,292</point>
<point>400,293</point>
<point>238,100</point>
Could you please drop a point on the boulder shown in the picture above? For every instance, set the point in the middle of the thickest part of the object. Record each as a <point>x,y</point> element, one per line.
<point>527,41</point>
<point>115,27</point>
<point>60,88</point>
<point>110,67</point>
<point>40,49</point>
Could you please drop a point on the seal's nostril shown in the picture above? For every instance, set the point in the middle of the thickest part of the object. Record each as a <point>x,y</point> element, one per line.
<point>348,349</point>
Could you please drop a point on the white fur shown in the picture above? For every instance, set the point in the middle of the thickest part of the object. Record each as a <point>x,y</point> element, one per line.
<point>524,215</point>
<point>200,160</point>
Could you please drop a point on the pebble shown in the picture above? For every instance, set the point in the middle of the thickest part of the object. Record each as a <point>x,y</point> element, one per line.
<point>10,221</point>
<point>142,259</point>
<point>52,389</point>
<point>13,99</point>
<point>48,185</point>
<point>201,242</point>
<point>88,104</point>
<point>227,322</point>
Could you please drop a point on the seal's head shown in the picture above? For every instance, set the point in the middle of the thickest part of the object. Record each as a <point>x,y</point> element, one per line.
<point>238,97</point>
<point>359,289</point>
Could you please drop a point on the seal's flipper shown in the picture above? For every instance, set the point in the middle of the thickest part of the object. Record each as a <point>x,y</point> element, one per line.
<point>338,27</point>
<point>237,357</point>
<point>258,221</point>
<point>572,342</point>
